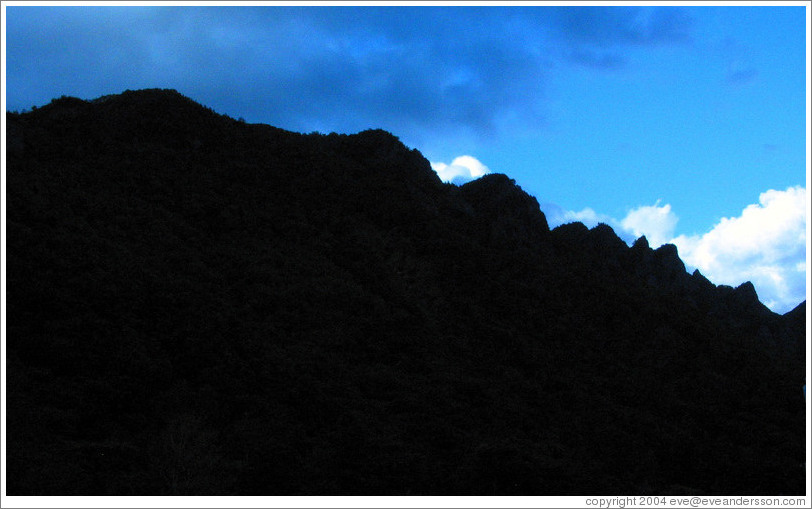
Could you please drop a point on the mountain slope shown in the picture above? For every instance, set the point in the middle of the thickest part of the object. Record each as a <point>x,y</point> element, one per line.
<point>197,305</point>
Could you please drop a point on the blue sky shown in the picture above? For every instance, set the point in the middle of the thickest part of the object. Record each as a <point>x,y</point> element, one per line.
<point>683,123</point>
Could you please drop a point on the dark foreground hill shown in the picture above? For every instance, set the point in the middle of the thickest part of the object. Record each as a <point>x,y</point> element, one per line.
<point>197,305</point>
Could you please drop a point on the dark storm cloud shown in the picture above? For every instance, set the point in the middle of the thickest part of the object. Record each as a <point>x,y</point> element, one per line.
<point>597,36</point>
<point>604,26</point>
<point>336,68</point>
<point>429,70</point>
<point>72,50</point>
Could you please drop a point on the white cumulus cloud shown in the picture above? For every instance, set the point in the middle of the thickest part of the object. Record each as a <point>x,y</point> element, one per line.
<point>766,244</point>
<point>461,170</point>
<point>655,222</point>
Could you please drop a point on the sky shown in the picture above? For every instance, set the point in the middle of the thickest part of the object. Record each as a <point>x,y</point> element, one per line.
<point>687,124</point>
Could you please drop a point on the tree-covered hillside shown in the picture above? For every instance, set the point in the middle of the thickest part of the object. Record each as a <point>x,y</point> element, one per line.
<point>196,305</point>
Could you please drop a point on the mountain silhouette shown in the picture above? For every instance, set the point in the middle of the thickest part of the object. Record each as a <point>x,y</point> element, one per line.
<point>198,305</point>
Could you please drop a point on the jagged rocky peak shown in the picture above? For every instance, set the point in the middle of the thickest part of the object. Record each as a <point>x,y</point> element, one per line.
<point>798,312</point>
<point>602,238</point>
<point>641,243</point>
<point>383,155</point>
<point>700,280</point>
<point>747,291</point>
<point>383,143</point>
<point>571,234</point>
<point>668,258</point>
<point>498,195</point>
<point>743,299</point>
<point>605,238</point>
<point>664,260</point>
<point>746,297</point>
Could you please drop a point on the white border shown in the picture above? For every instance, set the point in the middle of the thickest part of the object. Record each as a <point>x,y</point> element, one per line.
<point>3,261</point>
<point>406,3</point>
<point>808,243</point>
<point>395,502</point>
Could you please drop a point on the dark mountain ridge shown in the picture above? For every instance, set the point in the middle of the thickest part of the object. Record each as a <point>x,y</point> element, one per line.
<point>197,305</point>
